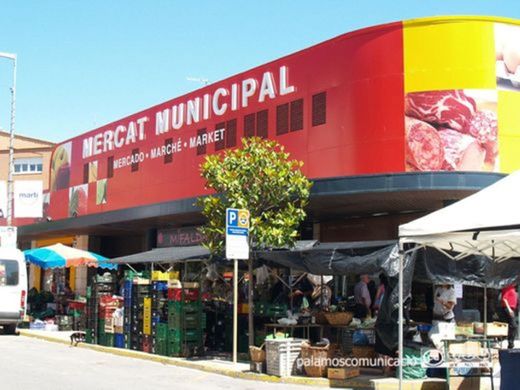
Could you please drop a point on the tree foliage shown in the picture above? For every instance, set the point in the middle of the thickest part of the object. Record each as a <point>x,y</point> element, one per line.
<point>259,177</point>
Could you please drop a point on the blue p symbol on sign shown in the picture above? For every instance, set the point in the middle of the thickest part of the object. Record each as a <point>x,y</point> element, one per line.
<point>232,217</point>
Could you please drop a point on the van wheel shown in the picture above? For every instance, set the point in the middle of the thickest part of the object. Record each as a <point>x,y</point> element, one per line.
<point>10,329</point>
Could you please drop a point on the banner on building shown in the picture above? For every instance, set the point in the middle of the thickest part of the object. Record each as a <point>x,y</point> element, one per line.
<point>28,199</point>
<point>185,236</point>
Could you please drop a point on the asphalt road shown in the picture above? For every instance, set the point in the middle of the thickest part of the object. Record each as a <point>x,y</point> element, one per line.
<point>27,363</point>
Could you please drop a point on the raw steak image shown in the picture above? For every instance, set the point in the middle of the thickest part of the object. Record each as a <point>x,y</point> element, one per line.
<point>424,147</point>
<point>462,152</point>
<point>452,108</point>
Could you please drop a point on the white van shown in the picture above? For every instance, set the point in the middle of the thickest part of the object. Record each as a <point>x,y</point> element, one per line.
<point>13,288</point>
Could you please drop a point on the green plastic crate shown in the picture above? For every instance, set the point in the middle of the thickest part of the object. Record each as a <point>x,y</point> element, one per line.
<point>161,331</point>
<point>101,327</point>
<point>182,349</point>
<point>106,339</point>
<point>161,349</point>
<point>185,335</point>
<point>187,320</point>
<point>89,336</point>
<point>184,307</point>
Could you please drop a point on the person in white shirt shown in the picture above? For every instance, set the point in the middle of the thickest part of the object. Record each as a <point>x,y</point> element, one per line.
<point>444,302</point>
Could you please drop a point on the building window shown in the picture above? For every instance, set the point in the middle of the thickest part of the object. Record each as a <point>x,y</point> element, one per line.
<point>110,167</point>
<point>282,119</point>
<point>168,157</point>
<point>30,165</point>
<point>249,125</point>
<point>85,173</point>
<point>256,124</point>
<point>297,115</point>
<point>231,133</point>
<point>134,167</point>
<point>221,143</point>
<point>261,124</point>
<point>319,109</point>
<point>201,134</point>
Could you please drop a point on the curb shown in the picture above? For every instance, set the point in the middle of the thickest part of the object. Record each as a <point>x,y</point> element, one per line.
<point>187,364</point>
<point>355,383</point>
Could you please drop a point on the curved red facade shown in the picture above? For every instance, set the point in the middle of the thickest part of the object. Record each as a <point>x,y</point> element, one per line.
<point>338,106</point>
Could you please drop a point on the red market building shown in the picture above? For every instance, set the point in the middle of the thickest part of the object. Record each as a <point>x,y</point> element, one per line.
<point>391,122</point>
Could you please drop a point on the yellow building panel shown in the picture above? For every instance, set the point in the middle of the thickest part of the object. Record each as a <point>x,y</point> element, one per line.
<point>448,54</point>
<point>509,130</point>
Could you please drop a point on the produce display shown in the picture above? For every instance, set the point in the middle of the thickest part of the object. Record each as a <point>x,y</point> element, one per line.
<point>60,167</point>
<point>78,198</point>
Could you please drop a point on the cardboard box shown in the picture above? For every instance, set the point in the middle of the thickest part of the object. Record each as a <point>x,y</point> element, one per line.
<point>497,329</point>
<point>342,373</point>
<point>468,348</point>
<point>461,383</point>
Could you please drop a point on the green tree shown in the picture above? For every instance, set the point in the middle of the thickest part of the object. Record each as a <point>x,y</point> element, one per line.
<point>261,178</point>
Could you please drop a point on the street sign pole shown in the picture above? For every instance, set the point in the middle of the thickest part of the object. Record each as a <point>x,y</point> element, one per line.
<point>237,248</point>
<point>235,309</point>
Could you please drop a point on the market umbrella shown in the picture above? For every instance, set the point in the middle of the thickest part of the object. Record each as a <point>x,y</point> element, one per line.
<point>59,255</point>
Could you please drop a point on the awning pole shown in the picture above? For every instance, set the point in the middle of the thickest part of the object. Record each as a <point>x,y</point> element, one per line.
<point>235,309</point>
<point>485,312</point>
<point>401,315</point>
<point>132,268</point>
<point>250,303</point>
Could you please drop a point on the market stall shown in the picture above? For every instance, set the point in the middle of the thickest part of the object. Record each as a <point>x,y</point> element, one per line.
<point>58,308</point>
<point>161,310</point>
<point>482,229</point>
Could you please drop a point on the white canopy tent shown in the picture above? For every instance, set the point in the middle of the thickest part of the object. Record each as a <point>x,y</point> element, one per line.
<point>486,223</point>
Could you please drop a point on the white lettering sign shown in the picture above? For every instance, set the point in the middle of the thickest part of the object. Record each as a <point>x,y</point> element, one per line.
<point>238,95</point>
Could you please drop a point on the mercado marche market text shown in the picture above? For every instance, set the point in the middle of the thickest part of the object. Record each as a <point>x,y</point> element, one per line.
<point>190,112</point>
<point>172,148</point>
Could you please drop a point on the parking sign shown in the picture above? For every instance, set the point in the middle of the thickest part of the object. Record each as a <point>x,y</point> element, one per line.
<point>237,234</point>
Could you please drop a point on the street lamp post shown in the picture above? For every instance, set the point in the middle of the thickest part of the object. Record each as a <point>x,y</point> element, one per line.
<point>11,141</point>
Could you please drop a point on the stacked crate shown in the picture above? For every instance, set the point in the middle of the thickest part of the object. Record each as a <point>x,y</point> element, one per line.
<point>140,291</point>
<point>159,316</point>
<point>127,322</point>
<point>100,287</point>
<point>107,306</point>
<point>185,335</point>
<point>92,318</point>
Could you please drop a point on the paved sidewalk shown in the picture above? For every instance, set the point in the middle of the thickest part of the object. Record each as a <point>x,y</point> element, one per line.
<point>241,370</point>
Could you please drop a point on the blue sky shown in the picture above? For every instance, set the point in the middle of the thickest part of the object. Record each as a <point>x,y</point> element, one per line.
<point>82,64</point>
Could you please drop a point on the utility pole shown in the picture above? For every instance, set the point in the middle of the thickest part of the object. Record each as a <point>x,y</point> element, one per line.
<point>11,141</point>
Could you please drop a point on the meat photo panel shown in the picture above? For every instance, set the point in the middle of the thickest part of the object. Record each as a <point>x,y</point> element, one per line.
<point>451,130</point>
<point>507,49</point>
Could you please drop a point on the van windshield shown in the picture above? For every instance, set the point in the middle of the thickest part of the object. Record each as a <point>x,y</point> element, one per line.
<point>8,273</point>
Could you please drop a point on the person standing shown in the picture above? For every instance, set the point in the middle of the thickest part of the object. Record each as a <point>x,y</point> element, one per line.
<point>444,302</point>
<point>380,294</point>
<point>509,305</point>
<point>362,297</point>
